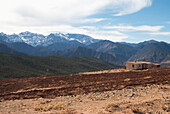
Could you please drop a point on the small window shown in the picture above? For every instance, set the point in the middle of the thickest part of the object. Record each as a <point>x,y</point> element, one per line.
<point>139,65</point>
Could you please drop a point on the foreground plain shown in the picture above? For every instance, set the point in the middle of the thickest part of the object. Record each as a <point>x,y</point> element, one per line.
<point>119,92</point>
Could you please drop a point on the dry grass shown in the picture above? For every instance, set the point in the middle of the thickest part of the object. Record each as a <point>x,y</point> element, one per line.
<point>111,107</point>
<point>48,107</point>
<point>43,108</point>
<point>153,107</point>
<point>152,99</point>
<point>66,111</point>
<point>38,107</point>
<point>137,110</point>
<point>59,106</point>
<point>166,106</point>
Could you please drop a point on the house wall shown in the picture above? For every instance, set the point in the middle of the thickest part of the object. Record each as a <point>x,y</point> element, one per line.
<point>129,66</point>
<point>150,65</point>
<point>138,66</point>
<point>133,66</point>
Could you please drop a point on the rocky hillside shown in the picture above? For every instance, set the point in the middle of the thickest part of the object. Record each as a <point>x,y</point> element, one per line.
<point>121,51</point>
<point>83,51</point>
<point>154,52</point>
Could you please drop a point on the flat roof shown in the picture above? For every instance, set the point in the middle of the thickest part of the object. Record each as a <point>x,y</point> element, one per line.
<point>140,62</point>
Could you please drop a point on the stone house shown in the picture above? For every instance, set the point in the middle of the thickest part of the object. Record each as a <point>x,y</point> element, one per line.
<point>140,65</point>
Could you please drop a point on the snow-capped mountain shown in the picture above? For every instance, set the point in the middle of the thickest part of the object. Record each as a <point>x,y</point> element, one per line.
<point>84,39</point>
<point>35,39</point>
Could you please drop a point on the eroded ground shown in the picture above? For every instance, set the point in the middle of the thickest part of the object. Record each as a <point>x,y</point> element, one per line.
<point>121,92</point>
<point>150,99</point>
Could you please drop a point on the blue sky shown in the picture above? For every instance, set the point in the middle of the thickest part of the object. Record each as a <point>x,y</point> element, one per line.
<point>115,20</point>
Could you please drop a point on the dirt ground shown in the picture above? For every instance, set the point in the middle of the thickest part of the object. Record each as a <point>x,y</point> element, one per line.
<point>138,92</point>
<point>154,99</point>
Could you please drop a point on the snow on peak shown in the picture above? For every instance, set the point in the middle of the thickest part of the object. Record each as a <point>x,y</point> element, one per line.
<point>35,39</point>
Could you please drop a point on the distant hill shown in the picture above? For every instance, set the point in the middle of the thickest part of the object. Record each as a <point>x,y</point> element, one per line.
<point>147,42</point>
<point>30,50</point>
<point>121,51</point>
<point>83,51</point>
<point>153,52</point>
<point>77,51</point>
<point>167,58</point>
<point>25,49</point>
<point>12,66</point>
<point>166,61</point>
<point>139,44</point>
<point>60,44</point>
<point>82,38</point>
<point>64,45</point>
<point>7,50</point>
<point>2,42</point>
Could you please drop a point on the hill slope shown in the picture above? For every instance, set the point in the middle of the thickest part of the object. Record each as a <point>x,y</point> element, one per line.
<point>121,51</point>
<point>83,51</point>
<point>26,66</point>
<point>64,45</point>
<point>7,50</point>
<point>30,50</point>
<point>152,52</point>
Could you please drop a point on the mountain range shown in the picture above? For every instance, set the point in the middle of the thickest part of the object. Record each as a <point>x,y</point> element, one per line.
<point>119,50</point>
<point>35,39</point>
<point>68,45</point>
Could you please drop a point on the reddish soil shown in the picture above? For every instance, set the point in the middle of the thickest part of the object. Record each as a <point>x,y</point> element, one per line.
<point>53,86</point>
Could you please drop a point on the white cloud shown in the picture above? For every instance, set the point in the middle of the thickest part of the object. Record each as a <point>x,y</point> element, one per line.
<point>46,29</point>
<point>136,28</point>
<point>87,27</point>
<point>89,20</point>
<point>45,16</point>
<point>124,7</point>
<point>160,33</point>
<point>50,12</point>
<point>114,36</point>
<point>87,30</point>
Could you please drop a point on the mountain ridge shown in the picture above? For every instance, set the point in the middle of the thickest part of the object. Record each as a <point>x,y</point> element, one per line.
<point>5,49</point>
<point>35,39</point>
<point>58,44</point>
<point>153,52</point>
<point>121,51</point>
<point>84,51</point>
